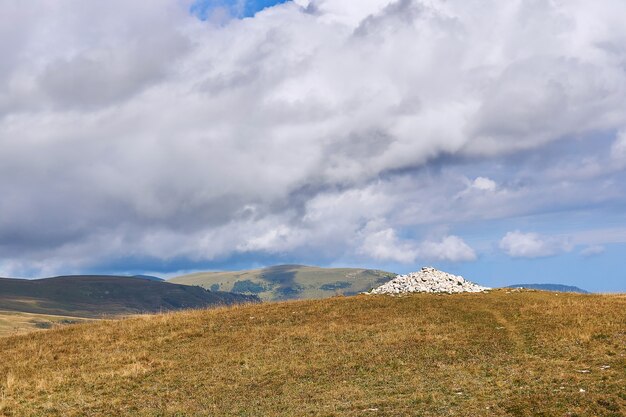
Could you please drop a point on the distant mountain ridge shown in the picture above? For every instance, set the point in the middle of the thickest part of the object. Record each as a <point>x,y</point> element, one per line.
<point>551,287</point>
<point>148,277</point>
<point>290,282</point>
<point>97,295</point>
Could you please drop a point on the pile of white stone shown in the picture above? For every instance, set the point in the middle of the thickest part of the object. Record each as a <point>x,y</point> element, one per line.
<point>428,280</point>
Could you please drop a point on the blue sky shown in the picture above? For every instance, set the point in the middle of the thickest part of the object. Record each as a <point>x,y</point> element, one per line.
<point>203,8</point>
<point>166,137</point>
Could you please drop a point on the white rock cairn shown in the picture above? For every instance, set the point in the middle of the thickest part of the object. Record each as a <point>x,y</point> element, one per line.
<point>428,280</point>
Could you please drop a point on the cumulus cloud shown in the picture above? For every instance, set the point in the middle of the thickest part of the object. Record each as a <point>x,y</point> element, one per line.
<point>618,149</point>
<point>532,245</point>
<point>450,248</point>
<point>593,250</point>
<point>385,245</point>
<point>138,130</point>
<point>484,184</point>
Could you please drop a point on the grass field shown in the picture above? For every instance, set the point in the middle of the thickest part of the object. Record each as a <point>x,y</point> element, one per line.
<point>504,353</point>
<point>15,322</point>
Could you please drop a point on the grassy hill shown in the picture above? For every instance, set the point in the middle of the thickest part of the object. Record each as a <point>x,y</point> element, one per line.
<point>16,322</point>
<point>94,296</point>
<point>503,353</point>
<point>286,282</point>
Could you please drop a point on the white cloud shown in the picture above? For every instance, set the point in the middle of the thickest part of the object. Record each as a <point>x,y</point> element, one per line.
<point>484,184</point>
<point>384,245</point>
<point>275,239</point>
<point>158,131</point>
<point>450,248</point>
<point>618,149</point>
<point>593,250</point>
<point>532,245</point>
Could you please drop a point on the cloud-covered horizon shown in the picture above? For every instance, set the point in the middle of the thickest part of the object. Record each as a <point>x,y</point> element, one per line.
<point>328,131</point>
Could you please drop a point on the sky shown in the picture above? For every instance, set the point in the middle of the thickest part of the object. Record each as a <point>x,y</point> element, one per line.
<point>486,138</point>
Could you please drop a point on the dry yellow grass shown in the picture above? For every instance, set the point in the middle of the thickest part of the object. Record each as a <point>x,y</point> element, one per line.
<point>16,322</point>
<point>498,354</point>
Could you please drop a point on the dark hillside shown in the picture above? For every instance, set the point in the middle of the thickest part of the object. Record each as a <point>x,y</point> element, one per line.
<point>93,296</point>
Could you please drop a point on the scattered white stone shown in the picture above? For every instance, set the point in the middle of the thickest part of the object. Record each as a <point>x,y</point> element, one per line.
<point>428,280</point>
<point>605,367</point>
<point>582,390</point>
<point>584,371</point>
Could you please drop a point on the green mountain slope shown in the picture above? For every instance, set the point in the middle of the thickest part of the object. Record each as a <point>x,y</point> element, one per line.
<point>94,296</point>
<point>288,282</point>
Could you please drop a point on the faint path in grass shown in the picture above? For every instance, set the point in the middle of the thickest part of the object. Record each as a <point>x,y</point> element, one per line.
<point>511,330</point>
